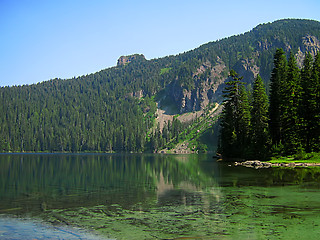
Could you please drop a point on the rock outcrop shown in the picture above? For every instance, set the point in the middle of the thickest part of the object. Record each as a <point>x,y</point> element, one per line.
<point>207,79</point>
<point>309,44</point>
<point>137,94</point>
<point>123,60</point>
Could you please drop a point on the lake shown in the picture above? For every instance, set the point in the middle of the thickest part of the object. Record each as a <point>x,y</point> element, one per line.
<point>153,196</point>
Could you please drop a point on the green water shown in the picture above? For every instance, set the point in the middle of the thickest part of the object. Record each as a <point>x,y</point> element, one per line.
<point>139,196</point>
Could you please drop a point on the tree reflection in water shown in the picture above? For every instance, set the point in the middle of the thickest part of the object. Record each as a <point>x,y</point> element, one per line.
<point>141,196</point>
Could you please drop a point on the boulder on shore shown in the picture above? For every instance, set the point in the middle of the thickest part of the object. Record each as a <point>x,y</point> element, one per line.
<point>258,164</point>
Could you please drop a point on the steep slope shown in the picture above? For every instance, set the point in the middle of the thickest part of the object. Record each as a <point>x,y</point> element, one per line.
<point>199,80</point>
<point>114,109</point>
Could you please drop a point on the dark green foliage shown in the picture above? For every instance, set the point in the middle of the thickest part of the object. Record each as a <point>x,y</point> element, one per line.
<point>277,81</point>
<point>185,77</point>
<point>294,122</point>
<point>243,120</point>
<point>235,118</point>
<point>104,111</point>
<point>316,80</point>
<point>297,105</point>
<point>228,138</point>
<point>291,94</point>
<point>309,104</point>
<point>259,121</point>
<point>73,115</point>
<point>168,137</point>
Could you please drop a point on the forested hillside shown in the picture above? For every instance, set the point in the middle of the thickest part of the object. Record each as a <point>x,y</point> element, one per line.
<point>286,124</point>
<point>114,109</point>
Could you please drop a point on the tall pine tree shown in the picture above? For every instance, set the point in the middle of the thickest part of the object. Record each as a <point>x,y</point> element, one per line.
<point>316,80</point>
<point>235,118</point>
<point>243,122</point>
<point>259,121</point>
<point>278,78</point>
<point>290,103</point>
<point>308,106</point>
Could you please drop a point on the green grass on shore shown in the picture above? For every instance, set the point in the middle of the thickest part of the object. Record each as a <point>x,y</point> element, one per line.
<point>298,158</point>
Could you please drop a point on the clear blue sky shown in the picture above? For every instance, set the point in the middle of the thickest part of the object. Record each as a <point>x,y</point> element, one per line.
<point>42,39</point>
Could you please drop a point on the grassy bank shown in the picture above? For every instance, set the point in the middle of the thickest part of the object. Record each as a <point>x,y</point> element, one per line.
<point>298,158</point>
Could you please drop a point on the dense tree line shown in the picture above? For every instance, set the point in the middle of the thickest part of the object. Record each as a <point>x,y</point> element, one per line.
<point>298,104</point>
<point>235,120</point>
<point>102,112</point>
<point>74,115</point>
<point>287,124</point>
<point>168,136</point>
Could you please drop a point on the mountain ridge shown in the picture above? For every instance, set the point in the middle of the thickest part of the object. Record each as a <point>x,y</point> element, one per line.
<point>114,109</point>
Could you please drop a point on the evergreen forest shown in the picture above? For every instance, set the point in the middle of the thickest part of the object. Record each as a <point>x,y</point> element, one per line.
<point>115,109</point>
<point>255,126</point>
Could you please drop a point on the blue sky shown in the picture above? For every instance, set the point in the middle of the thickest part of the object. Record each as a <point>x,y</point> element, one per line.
<point>42,39</point>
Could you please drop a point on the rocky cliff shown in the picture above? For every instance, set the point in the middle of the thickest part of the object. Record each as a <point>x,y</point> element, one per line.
<point>309,44</point>
<point>208,79</point>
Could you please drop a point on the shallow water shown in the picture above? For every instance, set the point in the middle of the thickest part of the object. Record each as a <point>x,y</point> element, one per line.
<point>140,196</point>
<point>15,228</point>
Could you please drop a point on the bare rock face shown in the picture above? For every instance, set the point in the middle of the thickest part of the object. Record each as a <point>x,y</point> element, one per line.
<point>124,60</point>
<point>264,45</point>
<point>137,94</point>
<point>309,44</point>
<point>207,79</point>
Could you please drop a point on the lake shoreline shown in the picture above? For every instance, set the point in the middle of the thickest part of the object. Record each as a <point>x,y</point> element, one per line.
<point>259,164</point>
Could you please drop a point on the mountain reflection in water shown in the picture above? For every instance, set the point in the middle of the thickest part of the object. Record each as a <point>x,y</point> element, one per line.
<point>147,196</point>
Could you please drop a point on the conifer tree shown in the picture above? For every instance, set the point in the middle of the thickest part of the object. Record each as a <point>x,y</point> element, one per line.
<point>316,80</point>
<point>308,106</point>
<point>228,138</point>
<point>278,78</point>
<point>235,118</point>
<point>259,120</point>
<point>290,102</point>
<point>243,121</point>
